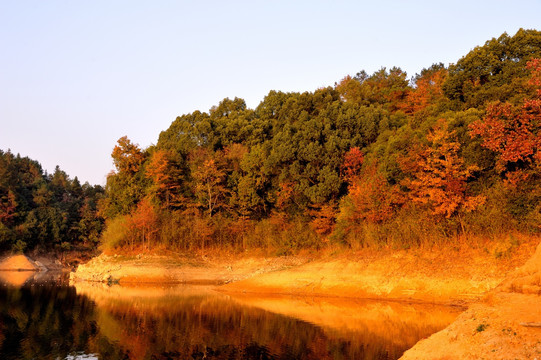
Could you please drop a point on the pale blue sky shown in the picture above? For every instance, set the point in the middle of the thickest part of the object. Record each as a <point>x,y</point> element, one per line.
<point>77,75</point>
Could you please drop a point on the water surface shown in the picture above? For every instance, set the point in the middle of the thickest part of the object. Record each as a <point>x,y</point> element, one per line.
<point>51,320</point>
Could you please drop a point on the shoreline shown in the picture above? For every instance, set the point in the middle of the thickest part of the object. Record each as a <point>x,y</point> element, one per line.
<point>499,294</point>
<point>445,275</point>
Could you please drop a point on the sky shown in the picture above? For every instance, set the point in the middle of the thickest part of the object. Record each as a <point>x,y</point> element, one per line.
<point>75,76</point>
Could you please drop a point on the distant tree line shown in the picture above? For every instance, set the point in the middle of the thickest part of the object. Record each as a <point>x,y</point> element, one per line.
<point>48,211</point>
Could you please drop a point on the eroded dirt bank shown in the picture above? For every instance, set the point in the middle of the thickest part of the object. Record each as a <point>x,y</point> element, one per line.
<point>506,324</point>
<point>440,274</point>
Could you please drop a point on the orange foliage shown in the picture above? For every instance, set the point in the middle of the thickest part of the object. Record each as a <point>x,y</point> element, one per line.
<point>324,218</point>
<point>127,156</point>
<point>353,162</point>
<point>534,66</point>
<point>285,195</point>
<point>144,222</point>
<point>439,175</point>
<point>428,91</point>
<point>165,177</point>
<point>372,198</point>
<point>8,206</point>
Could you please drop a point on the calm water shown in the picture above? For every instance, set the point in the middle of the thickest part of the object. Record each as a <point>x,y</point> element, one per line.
<point>52,320</point>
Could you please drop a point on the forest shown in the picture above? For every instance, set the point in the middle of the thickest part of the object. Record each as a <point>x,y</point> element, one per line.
<point>377,159</point>
<point>45,211</point>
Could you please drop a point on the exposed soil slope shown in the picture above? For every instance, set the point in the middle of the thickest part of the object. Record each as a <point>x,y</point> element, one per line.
<point>505,325</point>
<point>436,275</point>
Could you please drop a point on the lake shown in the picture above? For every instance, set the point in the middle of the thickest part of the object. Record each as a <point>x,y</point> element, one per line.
<point>49,319</point>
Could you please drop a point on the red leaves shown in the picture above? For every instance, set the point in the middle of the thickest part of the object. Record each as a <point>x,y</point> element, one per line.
<point>143,222</point>
<point>428,91</point>
<point>8,205</point>
<point>514,131</point>
<point>535,67</point>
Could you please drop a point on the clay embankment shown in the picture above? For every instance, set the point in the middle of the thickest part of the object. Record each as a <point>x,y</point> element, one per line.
<point>505,325</point>
<point>444,275</point>
<point>441,275</point>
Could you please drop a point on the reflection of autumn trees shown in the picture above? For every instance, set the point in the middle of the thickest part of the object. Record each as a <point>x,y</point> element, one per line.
<point>203,324</point>
<point>368,155</point>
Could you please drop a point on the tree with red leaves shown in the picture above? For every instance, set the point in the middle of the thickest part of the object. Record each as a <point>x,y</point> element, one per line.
<point>513,132</point>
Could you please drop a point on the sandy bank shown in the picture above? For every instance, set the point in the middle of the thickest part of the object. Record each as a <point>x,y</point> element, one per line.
<point>506,324</point>
<point>19,263</point>
<point>439,275</point>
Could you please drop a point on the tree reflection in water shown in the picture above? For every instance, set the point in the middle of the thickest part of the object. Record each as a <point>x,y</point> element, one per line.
<point>51,321</point>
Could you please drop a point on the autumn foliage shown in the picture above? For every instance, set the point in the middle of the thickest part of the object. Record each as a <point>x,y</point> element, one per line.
<point>513,131</point>
<point>376,156</point>
<point>438,175</point>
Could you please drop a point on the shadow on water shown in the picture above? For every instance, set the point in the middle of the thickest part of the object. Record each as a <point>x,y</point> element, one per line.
<point>93,321</point>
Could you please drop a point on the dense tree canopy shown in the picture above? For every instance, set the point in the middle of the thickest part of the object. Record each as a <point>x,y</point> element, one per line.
<point>370,150</point>
<point>50,211</point>
<point>378,156</point>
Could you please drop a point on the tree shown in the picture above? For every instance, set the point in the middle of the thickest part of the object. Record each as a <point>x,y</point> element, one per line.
<point>494,71</point>
<point>324,218</point>
<point>513,132</point>
<point>8,206</point>
<point>385,87</point>
<point>209,176</point>
<point>126,186</point>
<point>370,198</point>
<point>439,176</point>
<point>428,89</point>
<point>127,156</point>
<point>164,171</point>
<point>352,165</point>
<point>144,222</point>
